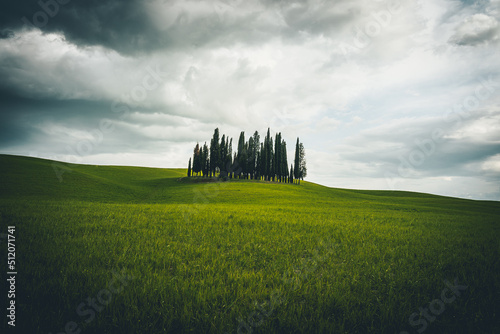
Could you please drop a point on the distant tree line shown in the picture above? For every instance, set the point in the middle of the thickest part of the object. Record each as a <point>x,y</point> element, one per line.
<point>252,159</point>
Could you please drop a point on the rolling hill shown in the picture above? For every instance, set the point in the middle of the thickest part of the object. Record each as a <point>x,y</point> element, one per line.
<point>241,256</point>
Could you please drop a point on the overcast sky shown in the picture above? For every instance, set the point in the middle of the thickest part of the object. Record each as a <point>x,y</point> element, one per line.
<point>384,94</point>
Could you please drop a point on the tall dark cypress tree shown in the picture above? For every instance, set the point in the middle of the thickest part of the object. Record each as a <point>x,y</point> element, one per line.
<point>229,159</point>
<point>271,159</point>
<point>291,174</point>
<point>284,162</point>
<point>257,165</point>
<point>215,161</point>
<point>189,168</point>
<point>241,155</point>
<point>223,153</point>
<point>277,158</point>
<point>250,158</point>
<point>262,162</point>
<point>205,162</point>
<point>302,158</point>
<point>245,160</point>
<point>255,152</point>
<point>296,171</point>
<point>196,159</point>
<point>267,155</point>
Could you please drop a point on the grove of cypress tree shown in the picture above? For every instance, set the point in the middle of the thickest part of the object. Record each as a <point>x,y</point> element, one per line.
<point>253,159</point>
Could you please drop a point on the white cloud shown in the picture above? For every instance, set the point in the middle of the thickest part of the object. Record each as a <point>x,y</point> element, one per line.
<point>492,164</point>
<point>477,29</point>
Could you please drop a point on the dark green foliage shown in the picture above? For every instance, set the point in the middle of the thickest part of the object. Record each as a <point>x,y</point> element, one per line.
<point>302,159</point>
<point>229,160</point>
<point>253,159</point>
<point>205,161</point>
<point>189,168</point>
<point>284,162</point>
<point>215,153</point>
<point>296,171</point>
<point>241,157</point>
<point>254,155</point>
<point>300,171</point>
<point>197,159</point>
<point>268,155</point>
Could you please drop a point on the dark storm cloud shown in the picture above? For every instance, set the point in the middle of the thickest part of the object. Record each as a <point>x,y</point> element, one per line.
<point>137,27</point>
<point>125,25</point>
<point>6,33</point>
<point>117,24</point>
<point>21,118</point>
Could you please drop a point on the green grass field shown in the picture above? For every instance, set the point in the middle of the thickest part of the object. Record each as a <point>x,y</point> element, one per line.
<point>144,250</point>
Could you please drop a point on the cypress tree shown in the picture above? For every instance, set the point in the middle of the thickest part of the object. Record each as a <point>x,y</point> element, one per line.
<point>284,162</point>
<point>211,157</point>
<point>236,166</point>
<point>205,163</point>
<point>196,159</point>
<point>277,158</point>
<point>291,174</point>
<point>189,168</point>
<point>229,159</point>
<point>271,159</point>
<point>241,157</point>
<point>255,153</point>
<point>223,153</point>
<point>215,160</point>
<point>302,158</point>
<point>250,157</point>
<point>257,166</point>
<point>246,161</point>
<point>267,155</point>
<point>262,163</point>
<point>297,161</point>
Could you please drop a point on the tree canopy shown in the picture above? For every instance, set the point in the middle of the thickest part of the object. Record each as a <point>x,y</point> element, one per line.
<point>253,159</point>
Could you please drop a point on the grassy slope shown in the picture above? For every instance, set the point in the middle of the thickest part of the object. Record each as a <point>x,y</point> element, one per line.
<point>204,253</point>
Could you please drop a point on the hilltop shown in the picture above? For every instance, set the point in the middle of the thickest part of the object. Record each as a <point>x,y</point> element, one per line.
<point>35,178</point>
